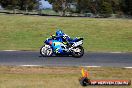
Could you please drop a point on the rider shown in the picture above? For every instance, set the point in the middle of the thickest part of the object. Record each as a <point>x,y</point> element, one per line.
<point>62,37</point>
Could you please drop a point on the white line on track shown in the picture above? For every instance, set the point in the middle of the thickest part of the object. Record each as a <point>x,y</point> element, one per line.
<point>81,66</point>
<point>116,52</point>
<point>41,65</point>
<point>128,67</point>
<point>92,66</point>
<point>10,50</point>
<point>30,65</point>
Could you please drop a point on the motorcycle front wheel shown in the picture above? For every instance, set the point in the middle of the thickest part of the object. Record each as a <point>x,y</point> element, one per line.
<point>78,52</point>
<point>46,50</point>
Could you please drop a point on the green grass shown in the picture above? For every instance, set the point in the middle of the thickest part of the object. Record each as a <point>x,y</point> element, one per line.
<point>101,35</point>
<point>49,12</point>
<point>57,77</point>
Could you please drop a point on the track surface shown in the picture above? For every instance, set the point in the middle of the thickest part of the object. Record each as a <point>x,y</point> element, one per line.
<point>89,59</point>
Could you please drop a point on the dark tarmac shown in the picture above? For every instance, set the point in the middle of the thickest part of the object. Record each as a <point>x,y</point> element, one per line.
<point>18,58</point>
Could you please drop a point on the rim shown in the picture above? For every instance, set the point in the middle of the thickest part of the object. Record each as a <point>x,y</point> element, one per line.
<point>78,51</point>
<point>43,50</point>
<point>46,51</point>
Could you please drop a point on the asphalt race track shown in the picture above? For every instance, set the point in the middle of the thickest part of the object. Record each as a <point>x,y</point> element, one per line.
<point>18,58</point>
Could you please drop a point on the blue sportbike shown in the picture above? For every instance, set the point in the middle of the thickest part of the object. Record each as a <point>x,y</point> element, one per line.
<point>62,46</point>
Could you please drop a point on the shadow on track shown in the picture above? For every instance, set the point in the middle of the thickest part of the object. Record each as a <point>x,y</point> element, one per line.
<point>57,56</point>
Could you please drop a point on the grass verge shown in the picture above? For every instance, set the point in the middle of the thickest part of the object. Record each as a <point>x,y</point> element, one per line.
<point>57,77</point>
<point>28,32</point>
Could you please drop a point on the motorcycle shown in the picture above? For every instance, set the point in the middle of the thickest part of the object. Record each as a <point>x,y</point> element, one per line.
<point>53,46</point>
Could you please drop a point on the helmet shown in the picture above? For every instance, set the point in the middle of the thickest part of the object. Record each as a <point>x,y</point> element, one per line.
<point>59,33</point>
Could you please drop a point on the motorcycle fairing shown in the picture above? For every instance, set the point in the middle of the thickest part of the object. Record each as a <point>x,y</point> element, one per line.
<point>58,46</point>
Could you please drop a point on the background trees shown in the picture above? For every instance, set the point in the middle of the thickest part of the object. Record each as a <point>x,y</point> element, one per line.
<point>19,4</point>
<point>128,7</point>
<point>61,5</point>
<point>82,6</point>
<point>95,6</point>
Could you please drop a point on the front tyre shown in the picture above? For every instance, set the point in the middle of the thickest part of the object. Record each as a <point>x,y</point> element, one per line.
<point>78,52</point>
<point>46,50</point>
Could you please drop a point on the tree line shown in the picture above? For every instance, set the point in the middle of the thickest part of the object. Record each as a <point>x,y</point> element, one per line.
<point>94,6</point>
<point>19,4</point>
<point>81,6</point>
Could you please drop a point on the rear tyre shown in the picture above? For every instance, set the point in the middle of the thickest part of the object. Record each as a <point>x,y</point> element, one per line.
<point>46,50</point>
<point>78,52</point>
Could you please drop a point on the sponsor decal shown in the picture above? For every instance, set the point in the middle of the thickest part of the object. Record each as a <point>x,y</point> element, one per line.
<point>85,81</point>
